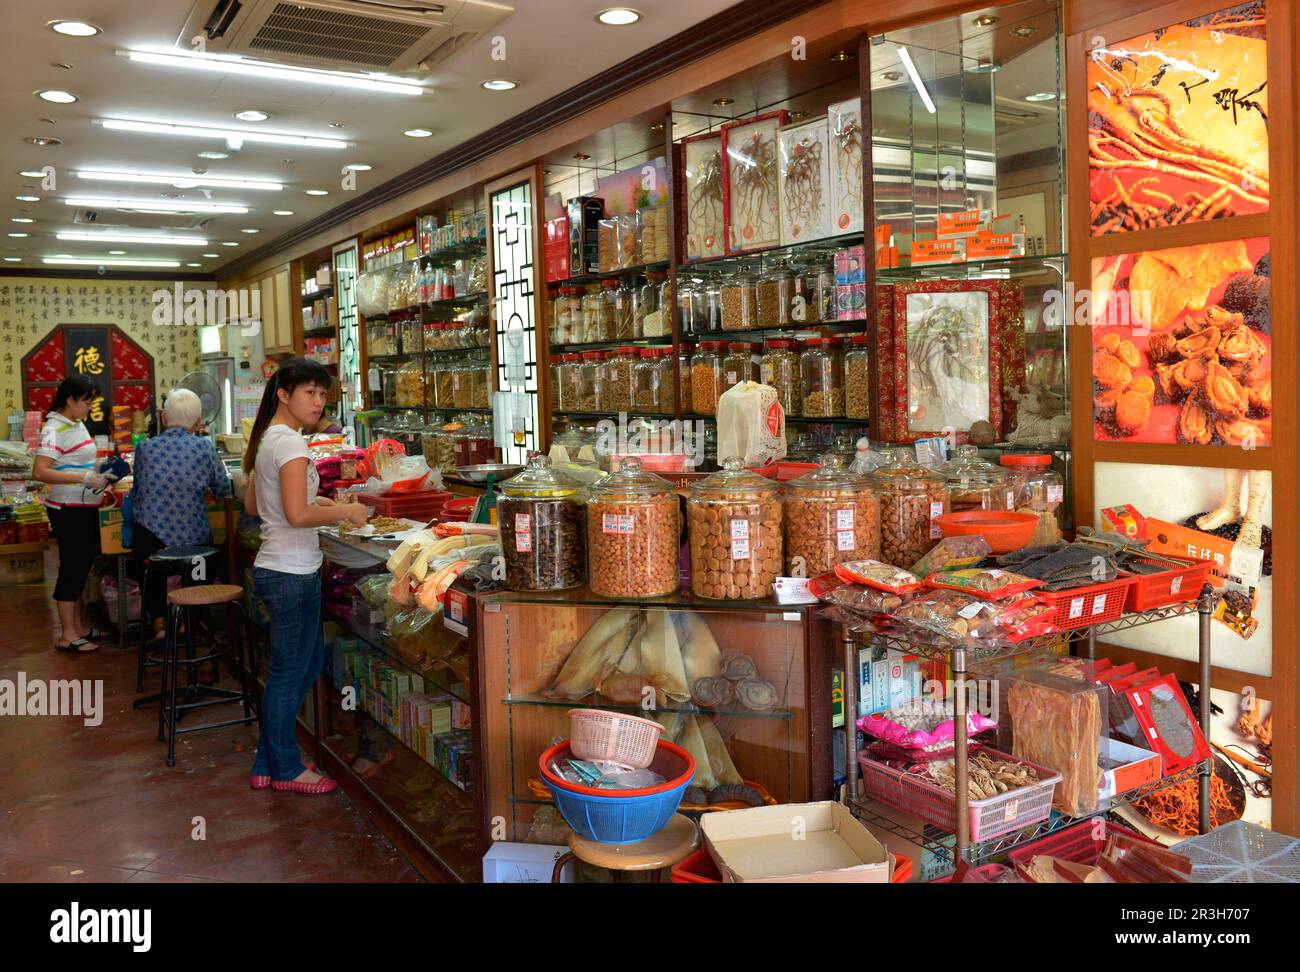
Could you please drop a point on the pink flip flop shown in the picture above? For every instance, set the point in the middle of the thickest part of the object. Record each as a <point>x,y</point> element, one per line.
<point>257,782</point>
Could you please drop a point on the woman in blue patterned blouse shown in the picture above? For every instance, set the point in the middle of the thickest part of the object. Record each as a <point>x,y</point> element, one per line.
<point>173,474</point>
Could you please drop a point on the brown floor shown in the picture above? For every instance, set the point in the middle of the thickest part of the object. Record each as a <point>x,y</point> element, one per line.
<point>92,804</point>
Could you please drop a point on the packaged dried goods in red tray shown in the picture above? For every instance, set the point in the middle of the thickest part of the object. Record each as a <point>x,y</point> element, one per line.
<point>882,576</point>
<point>988,583</point>
<point>952,553</point>
<point>961,617</point>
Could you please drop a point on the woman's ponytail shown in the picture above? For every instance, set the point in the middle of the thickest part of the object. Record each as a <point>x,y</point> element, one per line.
<point>265,412</point>
<point>291,373</point>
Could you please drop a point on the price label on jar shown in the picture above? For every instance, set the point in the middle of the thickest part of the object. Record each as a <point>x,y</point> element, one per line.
<point>740,530</point>
<point>731,378</point>
<point>1056,494</point>
<point>740,549</point>
<point>618,524</point>
<point>1098,604</point>
<point>844,519</point>
<point>1011,500</point>
<point>768,373</point>
<point>844,540</point>
<point>936,511</point>
<point>523,532</point>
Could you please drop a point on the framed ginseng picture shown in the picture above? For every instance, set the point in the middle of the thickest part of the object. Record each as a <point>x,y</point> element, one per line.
<point>750,182</point>
<point>947,356</point>
<point>702,196</point>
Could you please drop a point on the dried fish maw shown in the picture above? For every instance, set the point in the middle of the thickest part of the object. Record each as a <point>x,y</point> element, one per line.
<point>700,652</point>
<point>597,654</point>
<point>556,641</point>
<point>724,770</point>
<point>691,741</point>
<point>1181,279</point>
<point>661,656</point>
<point>673,722</point>
<point>757,694</point>
<point>712,693</point>
<point>737,665</point>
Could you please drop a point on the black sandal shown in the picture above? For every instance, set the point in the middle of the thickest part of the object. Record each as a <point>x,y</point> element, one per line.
<point>74,647</point>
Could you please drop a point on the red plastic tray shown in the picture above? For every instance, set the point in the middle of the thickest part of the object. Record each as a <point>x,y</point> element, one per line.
<point>1176,586</point>
<point>1080,844</point>
<point>1080,606</point>
<point>783,471</point>
<point>415,506</point>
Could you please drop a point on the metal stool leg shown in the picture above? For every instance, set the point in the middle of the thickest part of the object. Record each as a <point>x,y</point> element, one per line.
<point>560,861</point>
<point>175,658</point>
<point>144,627</point>
<point>169,641</point>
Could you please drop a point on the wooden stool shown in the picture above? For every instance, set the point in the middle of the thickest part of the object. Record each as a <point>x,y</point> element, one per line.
<point>670,846</point>
<point>184,601</point>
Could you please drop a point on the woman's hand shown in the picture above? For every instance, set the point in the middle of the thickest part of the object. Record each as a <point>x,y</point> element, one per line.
<point>358,513</point>
<point>324,501</point>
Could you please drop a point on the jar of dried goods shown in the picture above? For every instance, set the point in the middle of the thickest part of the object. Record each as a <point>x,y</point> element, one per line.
<point>617,395</point>
<point>706,377</point>
<point>625,296</point>
<point>691,305</point>
<point>685,353</point>
<point>480,386</point>
<point>912,498</point>
<point>575,327</point>
<point>1038,489</point>
<point>462,385</point>
<point>591,382</point>
<point>410,384</point>
<point>713,302</point>
<point>738,365</point>
<point>734,525</point>
<point>633,526</point>
<point>593,308</point>
<point>740,302</point>
<point>542,520</point>
<point>821,378</point>
<point>566,387</point>
<point>650,321</point>
<point>805,302</point>
<point>558,308</point>
<point>831,516</point>
<point>775,291</point>
<point>857,378</point>
<point>974,484</point>
<point>645,382</point>
<point>665,362</point>
<point>779,367</point>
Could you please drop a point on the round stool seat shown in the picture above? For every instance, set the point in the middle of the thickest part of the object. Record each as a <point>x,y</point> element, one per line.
<point>670,846</point>
<point>186,553</point>
<point>205,594</point>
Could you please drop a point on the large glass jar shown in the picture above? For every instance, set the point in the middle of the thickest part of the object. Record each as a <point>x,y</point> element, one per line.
<point>779,367</point>
<point>974,484</point>
<point>557,308</point>
<point>591,381</point>
<point>645,382</point>
<point>821,378</point>
<point>775,291</point>
<point>381,339</point>
<point>409,332</point>
<point>542,520</point>
<point>685,353</point>
<point>481,387</point>
<point>740,302</point>
<point>832,516</point>
<point>690,304</point>
<point>431,368</point>
<point>625,298</point>
<point>444,376</point>
<point>473,444</point>
<point>665,367</point>
<point>410,384</point>
<point>1037,489</point>
<point>573,319</point>
<point>706,377</point>
<point>633,527</point>
<point>567,386</point>
<point>712,285</point>
<point>462,385</point>
<point>912,498</point>
<point>618,379</point>
<point>805,303</point>
<point>857,378</point>
<point>649,321</point>
<point>593,309</point>
<point>608,319</point>
<point>738,365</point>
<point>734,524</point>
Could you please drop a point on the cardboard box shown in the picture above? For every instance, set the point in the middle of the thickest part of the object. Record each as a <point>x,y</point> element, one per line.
<point>507,862</point>
<point>759,845</point>
<point>110,527</point>
<point>22,563</point>
<point>1126,767</point>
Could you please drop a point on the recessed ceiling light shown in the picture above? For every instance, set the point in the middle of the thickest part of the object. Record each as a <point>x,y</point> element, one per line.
<point>843,56</point>
<point>234,137</point>
<point>499,84</point>
<point>417,133</point>
<point>1024,30</point>
<point>336,124</point>
<point>210,255</point>
<point>618,16</point>
<point>723,102</point>
<point>73,28</point>
<point>229,244</point>
<point>358,166</point>
<point>178,180</point>
<point>100,237</point>
<point>252,115</point>
<point>32,174</point>
<point>581,156</point>
<point>155,206</point>
<point>283,212</point>
<point>225,64</point>
<point>18,236</point>
<point>1042,96</point>
<point>57,96</point>
<point>249,230</point>
<point>985,21</point>
<point>28,198</point>
<point>13,259</point>
<point>194,264</point>
<point>42,140</point>
<point>117,252</point>
<point>95,262</point>
<point>213,154</point>
<point>22,219</point>
<point>316,192</point>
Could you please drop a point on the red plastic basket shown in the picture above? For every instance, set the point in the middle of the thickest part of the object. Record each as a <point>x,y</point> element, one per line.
<point>1080,844</point>
<point>919,796</point>
<point>1080,606</point>
<point>1176,586</point>
<point>414,506</point>
<point>700,869</point>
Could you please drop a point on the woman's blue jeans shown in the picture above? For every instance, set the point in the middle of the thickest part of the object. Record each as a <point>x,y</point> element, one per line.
<point>297,655</point>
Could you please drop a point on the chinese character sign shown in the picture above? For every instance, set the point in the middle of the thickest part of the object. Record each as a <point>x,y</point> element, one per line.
<point>88,353</point>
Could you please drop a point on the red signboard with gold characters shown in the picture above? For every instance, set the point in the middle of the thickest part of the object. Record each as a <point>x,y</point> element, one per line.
<point>121,370</point>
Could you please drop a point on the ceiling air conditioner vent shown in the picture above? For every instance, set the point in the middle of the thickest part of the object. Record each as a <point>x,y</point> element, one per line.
<point>389,35</point>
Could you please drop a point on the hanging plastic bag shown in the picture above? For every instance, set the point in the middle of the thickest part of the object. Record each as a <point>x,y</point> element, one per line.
<point>751,424</point>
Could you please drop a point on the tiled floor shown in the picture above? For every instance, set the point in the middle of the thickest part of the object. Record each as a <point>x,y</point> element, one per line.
<point>98,804</point>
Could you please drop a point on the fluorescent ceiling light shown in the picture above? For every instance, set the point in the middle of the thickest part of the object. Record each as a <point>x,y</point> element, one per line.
<point>1042,96</point>
<point>358,166</point>
<point>155,205</point>
<point>212,154</point>
<point>906,58</point>
<point>499,84</point>
<point>229,244</point>
<point>618,16</point>
<point>316,192</point>
<point>282,212</point>
<point>18,236</point>
<point>73,28</point>
<point>117,252</point>
<point>57,96</point>
<point>233,136</point>
<point>417,133</point>
<point>180,180</point>
<point>13,259</point>
<point>249,229</point>
<point>210,255</point>
<point>93,262</point>
<point>130,238</point>
<point>32,174</point>
<point>228,64</point>
<point>28,198</point>
<point>22,219</point>
<point>194,264</point>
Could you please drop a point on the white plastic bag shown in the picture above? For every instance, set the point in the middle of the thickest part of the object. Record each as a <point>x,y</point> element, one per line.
<point>751,424</point>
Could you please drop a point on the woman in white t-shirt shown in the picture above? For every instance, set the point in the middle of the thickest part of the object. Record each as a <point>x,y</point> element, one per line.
<point>282,487</point>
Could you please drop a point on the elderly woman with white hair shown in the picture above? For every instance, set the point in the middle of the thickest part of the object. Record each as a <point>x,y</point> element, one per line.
<point>173,474</point>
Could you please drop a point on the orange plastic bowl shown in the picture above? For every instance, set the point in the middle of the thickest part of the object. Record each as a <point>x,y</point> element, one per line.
<point>1004,531</point>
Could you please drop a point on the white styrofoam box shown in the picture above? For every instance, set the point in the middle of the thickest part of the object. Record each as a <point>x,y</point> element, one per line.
<point>508,862</point>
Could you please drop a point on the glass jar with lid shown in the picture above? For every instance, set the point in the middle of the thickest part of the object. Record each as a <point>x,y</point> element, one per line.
<point>832,516</point>
<point>912,498</point>
<point>645,382</point>
<point>618,379</point>
<point>381,338</point>
<point>974,484</point>
<point>734,523</point>
<point>593,310</point>
<point>712,290</point>
<point>804,448</point>
<point>624,297</point>
<point>542,520</point>
<point>444,375</point>
<point>473,443</point>
<point>737,366</point>
<point>670,384</point>
<point>566,394</point>
<point>591,381</point>
<point>608,320</point>
<point>775,291</point>
<point>633,526</point>
<point>557,308</point>
<point>431,369</point>
<point>805,304</point>
<point>821,378</point>
<point>649,321</point>
<point>1037,489</point>
<point>462,384</point>
<point>482,386</point>
<point>690,304</point>
<point>410,384</point>
<point>857,378</point>
<point>740,301</point>
<point>573,322</point>
<point>684,355</point>
<point>408,336</point>
<point>779,367</point>
<point>706,376</point>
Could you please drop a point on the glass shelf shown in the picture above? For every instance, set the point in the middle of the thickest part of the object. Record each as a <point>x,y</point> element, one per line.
<point>589,278</point>
<point>636,709</point>
<point>440,676</point>
<point>735,260</point>
<point>1002,267</point>
<point>778,333</point>
<point>468,300</point>
<point>666,341</point>
<point>678,599</point>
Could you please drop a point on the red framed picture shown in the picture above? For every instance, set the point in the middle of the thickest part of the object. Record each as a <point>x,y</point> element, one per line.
<point>703,222</point>
<point>750,182</point>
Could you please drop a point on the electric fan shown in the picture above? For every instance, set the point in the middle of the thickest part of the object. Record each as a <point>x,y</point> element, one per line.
<point>209,392</point>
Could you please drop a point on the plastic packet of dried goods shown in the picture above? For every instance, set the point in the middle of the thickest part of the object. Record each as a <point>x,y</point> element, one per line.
<point>949,614</point>
<point>751,424</point>
<point>863,599</point>
<point>989,583</point>
<point>374,588</point>
<point>1021,618</point>
<point>952,553</point>
<point>882,576</point>
<point>921,724</point>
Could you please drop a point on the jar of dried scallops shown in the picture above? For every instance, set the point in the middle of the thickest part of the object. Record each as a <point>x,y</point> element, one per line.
<point>912,498</point>
<point>734,524</point>
<point>832,516</point>
<point>632,534</point>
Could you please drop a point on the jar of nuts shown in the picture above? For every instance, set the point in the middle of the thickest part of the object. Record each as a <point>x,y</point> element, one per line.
<point>665,363</point>
<point>737,366</point>
<point>779,367</point>
<point>706,377</point>
<point>831,516</point>
<point>740,302</point>
<point>617,394</point>
<point>543,529</point>
<point>857,378</point>
<point>912,498</point>
<point>591,382</point>
<point>645,382</point>
<point>633,528</point>
<point>974,484</point>
<point>607,317</point>
<point>734,525</point>
<point>821,378</point>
